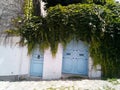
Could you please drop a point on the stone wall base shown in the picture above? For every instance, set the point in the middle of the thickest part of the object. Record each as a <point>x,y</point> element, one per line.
<point>14,78</point>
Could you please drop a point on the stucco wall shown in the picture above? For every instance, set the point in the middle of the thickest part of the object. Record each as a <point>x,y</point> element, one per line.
<point>9,62</point>
<point>52,67</point>
<point>24,62</point>
<point>94,71</point>
<point>13,59</point>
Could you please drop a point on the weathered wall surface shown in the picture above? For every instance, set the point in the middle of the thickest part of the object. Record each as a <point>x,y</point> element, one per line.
<point>94,72</point>
<point>52,67</point>
<point>13,59</point>
<point>9,9</point>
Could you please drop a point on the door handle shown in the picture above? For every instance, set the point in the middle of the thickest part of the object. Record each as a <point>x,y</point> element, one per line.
<point>81,54</point>
<point>38,57</point>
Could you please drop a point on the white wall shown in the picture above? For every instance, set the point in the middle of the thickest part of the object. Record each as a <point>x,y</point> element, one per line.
<point>24,67</point>
<point>52,66</point>
<point>13,59</point>
<point>94,72</point>
<point>43,12</point>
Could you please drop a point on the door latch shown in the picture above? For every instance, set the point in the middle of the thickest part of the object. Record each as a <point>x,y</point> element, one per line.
<point>68,53</point>
<point>38,57</point>
<point>81,54</point>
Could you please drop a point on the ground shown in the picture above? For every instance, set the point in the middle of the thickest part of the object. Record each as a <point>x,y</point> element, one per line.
<point>110,84</point>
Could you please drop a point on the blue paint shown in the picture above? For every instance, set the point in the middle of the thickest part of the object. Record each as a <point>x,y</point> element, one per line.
<point>36,68</point>
<point>75,58</point>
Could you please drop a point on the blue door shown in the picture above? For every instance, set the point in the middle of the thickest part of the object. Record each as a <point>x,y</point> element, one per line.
<point>36,68</point>
<point>75,58</point>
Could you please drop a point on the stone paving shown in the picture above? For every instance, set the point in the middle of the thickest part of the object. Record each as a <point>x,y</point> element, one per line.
<point>62,85</point>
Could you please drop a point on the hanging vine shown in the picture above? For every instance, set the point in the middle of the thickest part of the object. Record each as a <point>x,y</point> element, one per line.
<point>28,8</point>
<point>97,25</point>
<point>67,2</point>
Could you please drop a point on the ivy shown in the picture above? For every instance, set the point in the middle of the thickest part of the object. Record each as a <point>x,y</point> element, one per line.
<point>28,8</point>
<point>97,25</point>
<point>67,2</point>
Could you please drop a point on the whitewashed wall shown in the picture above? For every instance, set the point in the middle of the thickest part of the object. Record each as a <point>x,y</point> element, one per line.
<point>52,66</point>
<point>94,72</point>
<point>43,12</point>
<point>13,59</point>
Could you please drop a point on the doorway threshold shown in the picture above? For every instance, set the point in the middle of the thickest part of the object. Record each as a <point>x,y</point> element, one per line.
<point>74,76</point>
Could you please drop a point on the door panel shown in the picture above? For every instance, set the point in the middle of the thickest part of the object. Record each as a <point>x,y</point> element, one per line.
<point>81,67</point>
<point>68,62</point>
<point>75,58</point>
<point>36,68</point>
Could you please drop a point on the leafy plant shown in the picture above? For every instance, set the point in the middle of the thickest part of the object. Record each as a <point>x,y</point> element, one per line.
<point>28,8</point>
<point>114,81</point>
<point>67,2</point>
<point>97,25</point>
<point>108,88</point>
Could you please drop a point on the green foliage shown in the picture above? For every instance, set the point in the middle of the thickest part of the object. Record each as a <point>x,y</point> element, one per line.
<point>31,8</point>
<point>114,81</point>
<point>36,7</point>
<point>107,51</point>
<point>107,88</point>
<point>67,2</point>
<point>64,2</point>
<point>97,25</point>
<point>32,32</point>
<point>28,8</point>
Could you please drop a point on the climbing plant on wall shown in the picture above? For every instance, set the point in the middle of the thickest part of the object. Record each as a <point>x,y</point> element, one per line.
<point>97,25</point>
<point>50,3</point>
<point>31,8</point>
<point>28,8</point>
<point>106,52</point>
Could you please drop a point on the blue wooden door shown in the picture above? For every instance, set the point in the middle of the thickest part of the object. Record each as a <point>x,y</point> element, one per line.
<point>75,58</point>
<point>36,68</point>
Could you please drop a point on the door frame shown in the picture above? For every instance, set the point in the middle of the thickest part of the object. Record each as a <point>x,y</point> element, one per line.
<point>31,63</point>
<point>72,74</point>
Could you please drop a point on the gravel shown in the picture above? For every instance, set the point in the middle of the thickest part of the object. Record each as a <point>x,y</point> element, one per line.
<point>62,85</point>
